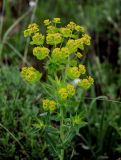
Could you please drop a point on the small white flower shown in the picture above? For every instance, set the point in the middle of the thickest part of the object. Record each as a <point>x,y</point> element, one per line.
<point>32,3</point>
<point>76,81</point>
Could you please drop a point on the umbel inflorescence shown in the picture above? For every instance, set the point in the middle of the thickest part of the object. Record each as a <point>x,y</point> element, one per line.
<point>62,49</point>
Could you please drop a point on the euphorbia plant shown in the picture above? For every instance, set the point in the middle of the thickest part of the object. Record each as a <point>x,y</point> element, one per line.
<point>60,49</point>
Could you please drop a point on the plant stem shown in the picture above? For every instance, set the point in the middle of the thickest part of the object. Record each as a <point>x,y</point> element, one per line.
<point>62,154</point>
<point>61,133</point>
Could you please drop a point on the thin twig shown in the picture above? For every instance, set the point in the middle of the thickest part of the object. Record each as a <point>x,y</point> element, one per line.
<point>1,21</point>
<point>102,99</point>
<point>28,39</point>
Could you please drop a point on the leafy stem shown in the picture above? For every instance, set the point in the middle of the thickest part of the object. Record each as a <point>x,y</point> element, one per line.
<point>62,132</point>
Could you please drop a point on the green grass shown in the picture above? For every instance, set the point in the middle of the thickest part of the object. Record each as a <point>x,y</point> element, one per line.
<point>19,108</point>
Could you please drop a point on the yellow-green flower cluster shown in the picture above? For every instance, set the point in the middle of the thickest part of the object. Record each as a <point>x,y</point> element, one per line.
<point>79,43</point>
<point>66,32</point>
<point>86,39</point>
<point>79,55</point>
<point>74,26</point>
<point>60,54</point>
<point>86,82</point>
<point>63,94</point>
<point>49,105</point>
<point>52,29</point>
<point>41,52</point>
<point>80,29</point>
<point>66,92</point>
<point>47,22</point>
<point>32,28</point>
<point>82,69</point>
<point>75,72</point>
<point>30,74</point>
<point>72,45</point>
<point>67,44</point>
<point>71,25</point>
<point>37,39</point>
<point>56,20</point>
<point>70,89</point>
<point>54,38</point>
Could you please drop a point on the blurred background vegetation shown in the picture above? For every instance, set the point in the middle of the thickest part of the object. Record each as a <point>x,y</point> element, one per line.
<point>19,102</point>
